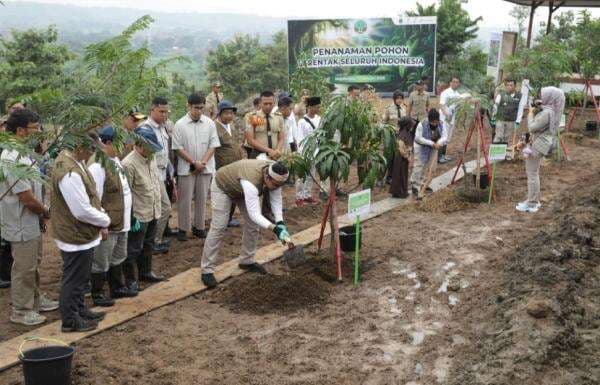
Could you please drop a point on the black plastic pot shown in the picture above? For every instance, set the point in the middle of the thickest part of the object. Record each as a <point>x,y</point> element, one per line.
<point>348,238</point>
<point>484,181</point>
<point>591,125</point>
<point>49,365</point>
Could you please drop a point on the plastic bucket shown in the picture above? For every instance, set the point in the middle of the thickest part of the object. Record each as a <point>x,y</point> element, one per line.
<point>348,238</point>
<point>484,181</point>
<point>48,365</point>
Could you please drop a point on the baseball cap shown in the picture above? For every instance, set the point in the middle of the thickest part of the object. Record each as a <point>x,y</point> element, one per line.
<point>149,137</point>
<point>226,105</point>
<point>136,113</point>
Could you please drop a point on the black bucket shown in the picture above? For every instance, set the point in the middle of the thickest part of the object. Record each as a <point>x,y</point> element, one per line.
<point>348,238</point>
<point>591,125</point>
<point>484,181</point>
<point>48,365</point>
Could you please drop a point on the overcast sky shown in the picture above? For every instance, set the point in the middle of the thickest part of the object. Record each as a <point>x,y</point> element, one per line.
<point>494,12</point>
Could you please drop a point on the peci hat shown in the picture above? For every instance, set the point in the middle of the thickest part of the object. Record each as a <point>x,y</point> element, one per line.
<point>226,105</point>
<point>107,133</point>
<point>313,101</point>
<point>149,137</point>
<point>136,113</point>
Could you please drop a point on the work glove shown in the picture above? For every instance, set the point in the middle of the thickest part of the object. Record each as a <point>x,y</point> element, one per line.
<point>517,125</point>
<point>493,122</point>
<point>281,231</point>
<point>136,226</point>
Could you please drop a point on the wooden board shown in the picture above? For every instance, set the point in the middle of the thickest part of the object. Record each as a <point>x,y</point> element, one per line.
<point>188,282</point>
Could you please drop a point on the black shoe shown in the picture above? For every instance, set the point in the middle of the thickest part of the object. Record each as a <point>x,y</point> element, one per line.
<point>199,233</point>
<point>209,280</point>
<point>151,277</point>
<point>133,287</point>
<point>160,248</point>
<point>78,325</point>
<point>98,296</point>
<point>115,283</point>
<point>123,292</point>
<point>4,284</point>
<point>234,223</point>
<point>169,232</point>
<point>182,236</point>
<point>89,315</point>
<point>442,159</point>
<point>253,268</point>
<point>414,191</point>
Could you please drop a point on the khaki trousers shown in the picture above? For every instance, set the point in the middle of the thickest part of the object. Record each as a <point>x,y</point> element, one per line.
<point>504,132</point>
<point>192,187</point>
<point>111,252</point>
<point>532,167</point>
<point>25,286</point>
<point>420,169</point>
<point>165,213</point>
<point>221,205</point>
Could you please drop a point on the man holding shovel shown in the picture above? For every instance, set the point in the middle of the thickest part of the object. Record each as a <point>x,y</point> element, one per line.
<point>242,183</point>
<point>430,136</point>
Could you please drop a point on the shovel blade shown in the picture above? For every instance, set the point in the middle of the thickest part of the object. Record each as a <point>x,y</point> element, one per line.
<point>295,256</point>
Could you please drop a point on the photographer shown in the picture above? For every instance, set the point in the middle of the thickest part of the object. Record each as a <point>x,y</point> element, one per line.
<point>543,122</point>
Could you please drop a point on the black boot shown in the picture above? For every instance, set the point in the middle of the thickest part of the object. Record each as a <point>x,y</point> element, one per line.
<point>115,283</point>
<point>6,262</point>
<point>130,280</point>
<point>98,296</point>
<point>442,155</point>
<point>145,268</point>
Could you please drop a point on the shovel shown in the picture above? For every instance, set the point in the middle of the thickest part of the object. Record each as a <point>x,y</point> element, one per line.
<point>294,256</point>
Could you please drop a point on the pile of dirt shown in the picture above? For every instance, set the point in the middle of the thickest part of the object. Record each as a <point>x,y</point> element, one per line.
<point>262,294</point>
<point>443,202</point>
<point>545,324</point>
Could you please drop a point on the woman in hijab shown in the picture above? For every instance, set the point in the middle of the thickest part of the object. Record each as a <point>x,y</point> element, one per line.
<point>399,185</point>
<point>543,122</point>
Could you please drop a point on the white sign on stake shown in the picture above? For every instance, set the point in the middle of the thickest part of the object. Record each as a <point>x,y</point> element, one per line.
<point>359,203</point>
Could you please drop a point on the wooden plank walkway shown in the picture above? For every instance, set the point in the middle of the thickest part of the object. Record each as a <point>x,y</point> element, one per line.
<point>188,282</point>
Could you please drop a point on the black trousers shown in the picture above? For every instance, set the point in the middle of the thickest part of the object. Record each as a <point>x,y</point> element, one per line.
<point>77,266</point>
<point>140,246</point>
<point>6,260</point>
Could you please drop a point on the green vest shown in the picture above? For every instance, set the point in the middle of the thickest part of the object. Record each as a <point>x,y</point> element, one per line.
<point>228,177</point>
<point>229,151</point>
<point>65,227</point>
<point>508,107</point>
<point>113,201</point>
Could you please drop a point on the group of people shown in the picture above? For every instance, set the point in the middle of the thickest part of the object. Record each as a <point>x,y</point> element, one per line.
<point>110,210</point>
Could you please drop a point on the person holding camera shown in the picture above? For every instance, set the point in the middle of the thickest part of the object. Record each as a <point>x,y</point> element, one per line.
<point>543,122</point>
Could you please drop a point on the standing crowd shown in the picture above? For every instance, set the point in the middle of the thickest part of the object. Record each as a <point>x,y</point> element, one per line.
<point>109,206</point>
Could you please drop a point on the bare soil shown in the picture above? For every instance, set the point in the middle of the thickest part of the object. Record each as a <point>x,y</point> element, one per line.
<point>475,294</point>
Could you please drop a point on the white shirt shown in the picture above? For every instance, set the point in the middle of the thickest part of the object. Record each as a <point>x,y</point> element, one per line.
<point>73,191</point>
<point>305,129</point>
<point>196,138</point>
<point>99,174</point>
<point>445,97</point>
<point>420,141</point>
<point>522,103</point>
<point>251,198</point>
<point>291,127</point>
<point>162,156</point>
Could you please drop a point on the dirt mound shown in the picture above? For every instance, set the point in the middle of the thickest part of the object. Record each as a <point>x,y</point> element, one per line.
<point>262,294</point>
<point>443,202</point>
<point>545,326</point>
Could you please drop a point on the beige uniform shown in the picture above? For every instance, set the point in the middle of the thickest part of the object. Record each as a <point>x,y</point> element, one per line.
<point>212,102</point>
<point>256,123</point>
<point>418,104</point>
<point>393,113</point>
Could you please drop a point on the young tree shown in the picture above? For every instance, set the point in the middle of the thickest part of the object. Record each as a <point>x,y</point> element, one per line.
<point>31,61</point>
<point>587,51</point>
<point>454,26</point>
<point>521,15</point>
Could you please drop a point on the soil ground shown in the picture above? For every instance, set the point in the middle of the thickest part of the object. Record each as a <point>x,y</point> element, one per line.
<point>451,293</point>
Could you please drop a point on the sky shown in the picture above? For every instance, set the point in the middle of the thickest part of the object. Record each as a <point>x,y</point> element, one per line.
<point>495,13</point>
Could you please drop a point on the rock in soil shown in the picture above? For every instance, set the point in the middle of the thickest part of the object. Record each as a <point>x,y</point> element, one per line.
<point>538,309</point>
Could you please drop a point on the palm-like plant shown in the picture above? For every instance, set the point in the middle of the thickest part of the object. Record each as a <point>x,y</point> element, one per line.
<point>348,134</point>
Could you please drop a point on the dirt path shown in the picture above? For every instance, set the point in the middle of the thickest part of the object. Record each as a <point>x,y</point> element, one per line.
<point>429,291</point>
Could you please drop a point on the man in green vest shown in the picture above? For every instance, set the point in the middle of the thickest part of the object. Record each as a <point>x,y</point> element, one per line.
<point>230,150</point>
<point>242,183</point>
<point>508,110</point>
<point>114,193</point>
<point>140,167</point>
<point>78,226</point>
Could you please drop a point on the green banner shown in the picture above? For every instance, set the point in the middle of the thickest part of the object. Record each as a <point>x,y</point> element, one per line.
<point>389,53</point>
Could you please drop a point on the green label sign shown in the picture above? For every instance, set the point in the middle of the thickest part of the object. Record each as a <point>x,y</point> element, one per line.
<point>359,203</point>
<point>498,151</point>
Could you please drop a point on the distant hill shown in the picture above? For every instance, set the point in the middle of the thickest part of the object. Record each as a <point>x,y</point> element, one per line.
<point>172,33</point>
